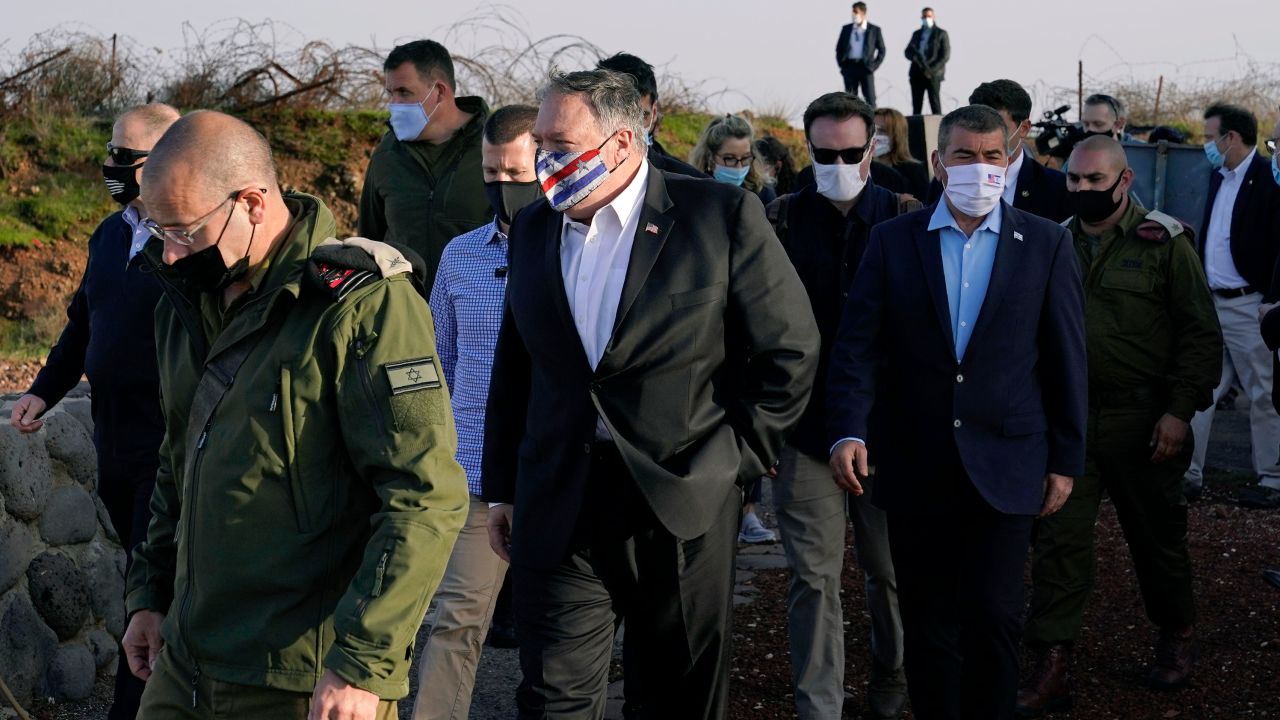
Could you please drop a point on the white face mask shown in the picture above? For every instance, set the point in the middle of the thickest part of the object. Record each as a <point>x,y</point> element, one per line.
<point>840,182</point>
<point>926,23</point>
<point>883,145</point>
<point>975,189</point>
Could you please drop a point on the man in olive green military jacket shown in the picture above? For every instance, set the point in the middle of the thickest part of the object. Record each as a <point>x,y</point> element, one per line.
<point>424,186</point>
<point>307,499</point>
<point>1155,353</point>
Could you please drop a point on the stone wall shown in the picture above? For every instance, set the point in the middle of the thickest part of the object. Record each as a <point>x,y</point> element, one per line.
<point>61,564</point>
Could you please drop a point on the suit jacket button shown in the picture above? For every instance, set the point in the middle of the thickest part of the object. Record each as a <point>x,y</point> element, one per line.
<point>595,387</point>
<point>586,448</point>
<point>959,378</point>
<point>956,423</point>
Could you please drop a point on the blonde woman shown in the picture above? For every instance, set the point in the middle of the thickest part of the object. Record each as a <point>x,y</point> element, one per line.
<point>891,149</point>
<point>725,152</point>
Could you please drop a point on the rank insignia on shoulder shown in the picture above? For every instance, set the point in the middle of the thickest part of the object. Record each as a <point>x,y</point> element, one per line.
<point>1160,228</point>
<point>412,375</point>
<point>339,267</point>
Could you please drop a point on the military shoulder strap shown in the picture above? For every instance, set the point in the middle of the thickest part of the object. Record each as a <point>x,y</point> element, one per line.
<point>1159,227</point>
<point>339,267</point>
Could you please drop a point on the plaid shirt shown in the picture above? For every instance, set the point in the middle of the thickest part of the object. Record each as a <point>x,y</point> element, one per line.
<point>466,304</point>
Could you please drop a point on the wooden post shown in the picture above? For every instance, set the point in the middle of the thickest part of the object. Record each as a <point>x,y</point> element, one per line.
<point>13,702</point>
<point>1080,90</point>
<point>114,78</point>
<point>1159,91</point>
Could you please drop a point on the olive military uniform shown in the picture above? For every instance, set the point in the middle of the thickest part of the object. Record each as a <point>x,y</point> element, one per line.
<point>422,195</point>
<point>1154,347</point>
<point>307,499</point>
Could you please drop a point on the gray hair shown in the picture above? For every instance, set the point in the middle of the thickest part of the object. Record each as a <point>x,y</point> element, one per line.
<point>974,118</point>
<point>611,96</point>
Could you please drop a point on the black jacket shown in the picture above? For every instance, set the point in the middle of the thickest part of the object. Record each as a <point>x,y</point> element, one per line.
<point>872,46</point>
<point>110,336</point>
<point>1255,224</point>
<point>1012,410</point>
<point>825,247</point>
<point>663,160</point>
<point>713,354</point>
<point>1041,190</point>
<point>932,63</point>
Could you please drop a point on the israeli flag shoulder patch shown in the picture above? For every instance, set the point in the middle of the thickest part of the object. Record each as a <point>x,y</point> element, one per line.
<point>412,375</point>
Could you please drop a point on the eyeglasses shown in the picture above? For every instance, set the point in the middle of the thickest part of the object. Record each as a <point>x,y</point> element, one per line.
<point>182,236</point>
<point>734,160</point>
<point>124,156</point>
<point>827,156</point>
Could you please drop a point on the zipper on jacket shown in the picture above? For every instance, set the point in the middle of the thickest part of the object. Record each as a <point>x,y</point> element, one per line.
<point>275,399</point>
<point>362,349</point>
<point>186,596</point>
<point>379,574</point>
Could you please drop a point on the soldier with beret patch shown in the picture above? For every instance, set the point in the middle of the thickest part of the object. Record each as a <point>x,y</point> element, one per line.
<point>1154,355</point>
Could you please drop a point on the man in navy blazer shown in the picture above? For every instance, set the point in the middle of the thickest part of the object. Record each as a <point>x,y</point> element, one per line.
<point>960,366</point>
<point>859,52</point>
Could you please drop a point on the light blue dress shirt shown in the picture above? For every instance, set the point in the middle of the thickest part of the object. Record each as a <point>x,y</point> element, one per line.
<point>966,265</point>
<point>466,307</point>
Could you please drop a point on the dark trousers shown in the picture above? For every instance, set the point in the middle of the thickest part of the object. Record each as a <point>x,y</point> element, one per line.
<point>859,75</point>
<point>919,86</point>
<point>960,594</point>
<point>125,489</point>
<point>1153,515</point>
<point>675,596</point>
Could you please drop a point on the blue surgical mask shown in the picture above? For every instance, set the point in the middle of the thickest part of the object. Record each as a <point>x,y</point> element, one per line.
<point>732,176</point>
<point>1275,167</point>
<point>408,120</point>
<point>1211,151</point>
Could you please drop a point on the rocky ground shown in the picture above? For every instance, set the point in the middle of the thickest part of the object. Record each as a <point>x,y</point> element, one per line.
<point>1239,670</point>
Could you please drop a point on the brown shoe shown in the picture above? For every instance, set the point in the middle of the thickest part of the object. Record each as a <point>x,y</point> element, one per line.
<point>1048,689</point>
<point>1175,658</point>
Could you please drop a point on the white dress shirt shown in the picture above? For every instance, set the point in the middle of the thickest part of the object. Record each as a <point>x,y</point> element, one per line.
<point>857,39</point>
<point>594,260</point>
<point>1011,177</point>
<point>1219,266</point>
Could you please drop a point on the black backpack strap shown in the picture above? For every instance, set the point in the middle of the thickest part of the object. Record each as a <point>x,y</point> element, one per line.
<point>219,374</point>
<point>778,212</point>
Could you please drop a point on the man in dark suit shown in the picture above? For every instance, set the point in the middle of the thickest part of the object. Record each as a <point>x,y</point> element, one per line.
<point>960,364</point>
<point>651,114</point>
<point>1239,242</point>
<point>655,349</point>
<point>1032,187</point>
<point>859,52</point>
<point>928,53</point>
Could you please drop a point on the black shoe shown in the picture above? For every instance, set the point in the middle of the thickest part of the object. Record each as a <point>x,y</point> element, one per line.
<point>886,694</point>
<point>1192,493</point>
<point>501,635</point>
<point>1272,576</point>
<point>1260,498</point>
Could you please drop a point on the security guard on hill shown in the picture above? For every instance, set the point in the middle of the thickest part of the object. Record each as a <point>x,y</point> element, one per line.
<point>307,499</point>
<point>1155,353</point>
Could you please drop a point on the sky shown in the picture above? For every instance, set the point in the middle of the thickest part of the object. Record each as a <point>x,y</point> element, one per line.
<point>765,54</point>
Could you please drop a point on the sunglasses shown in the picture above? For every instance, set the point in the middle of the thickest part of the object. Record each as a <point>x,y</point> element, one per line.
<point>827,156</point>
<point>124,156</point>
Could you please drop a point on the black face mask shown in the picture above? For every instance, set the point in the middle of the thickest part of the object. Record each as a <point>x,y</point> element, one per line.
<point>206,271</point>
<point>1111,134</point>
<point>507,198</point>
<point>1094,206</point>
<point>122,182</point>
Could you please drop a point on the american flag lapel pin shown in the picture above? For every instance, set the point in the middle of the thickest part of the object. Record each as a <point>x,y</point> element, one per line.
<point>651,229</point>
<point>1017,236</point>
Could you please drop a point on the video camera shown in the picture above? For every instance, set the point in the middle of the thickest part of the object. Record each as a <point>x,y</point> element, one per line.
<point>1058,136</point>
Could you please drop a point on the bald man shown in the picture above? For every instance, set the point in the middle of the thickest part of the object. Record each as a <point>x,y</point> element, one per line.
<point>110,337</point>
<point>307,499</point>
<point>1155,354</point>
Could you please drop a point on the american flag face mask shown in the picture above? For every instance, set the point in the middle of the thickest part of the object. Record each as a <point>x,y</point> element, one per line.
<point>568,177</point>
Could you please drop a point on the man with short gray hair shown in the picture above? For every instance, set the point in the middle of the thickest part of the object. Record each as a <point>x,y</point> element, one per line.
<point>656,347</point>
